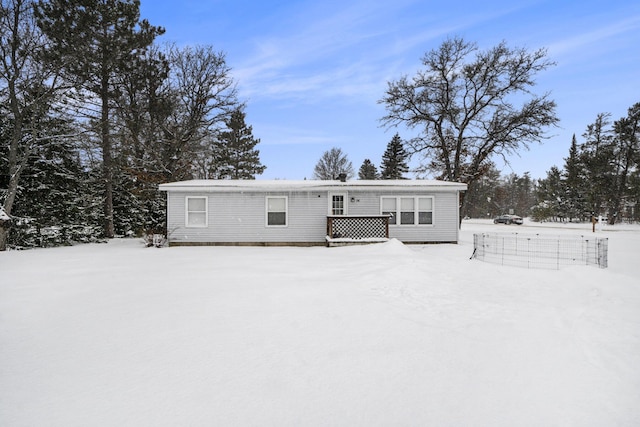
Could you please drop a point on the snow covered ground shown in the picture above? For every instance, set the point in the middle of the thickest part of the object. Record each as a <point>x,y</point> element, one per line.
<point>381,335</point>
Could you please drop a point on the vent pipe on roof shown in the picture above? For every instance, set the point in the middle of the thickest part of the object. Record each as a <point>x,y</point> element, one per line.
<point>342,177</point>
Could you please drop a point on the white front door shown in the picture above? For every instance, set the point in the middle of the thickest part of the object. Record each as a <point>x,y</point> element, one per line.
<point>337,204</point>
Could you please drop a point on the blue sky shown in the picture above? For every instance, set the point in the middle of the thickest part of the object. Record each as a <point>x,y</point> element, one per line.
<point>312,72</point>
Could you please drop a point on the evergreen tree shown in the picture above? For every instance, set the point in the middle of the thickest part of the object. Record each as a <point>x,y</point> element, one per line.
<point>632,210</point>
<point>95,41</point>
<point>28,90</point>
<point>394,160</point>
<point>481,196</point>
<point>518,194</point>
<point>597,155</point>
<point>332,164</point>
<point>551,197</point>
<point>144,102</point>
<point>55,204</point>
<point>574,183</point>
<point>368,170</point>
<point>235,154</point>
<point>625,151</point>
<point>527,194</point>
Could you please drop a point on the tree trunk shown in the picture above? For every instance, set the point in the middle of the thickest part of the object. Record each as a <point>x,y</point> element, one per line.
<point>107,162</point>
<point>3,238</point>
<point>461,207</point>
<point>15,171</point>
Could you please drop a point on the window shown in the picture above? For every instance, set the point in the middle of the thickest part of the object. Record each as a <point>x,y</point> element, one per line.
<point>389,208</point>
<point>425,210</point>
<point>409,210</point>
<point>196,212</point>
<point>277,211</point>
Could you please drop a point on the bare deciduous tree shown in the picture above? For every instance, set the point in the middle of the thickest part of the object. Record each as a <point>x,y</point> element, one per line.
<point>204,96</point>
<point>332,164</point>
<point>470,106</point>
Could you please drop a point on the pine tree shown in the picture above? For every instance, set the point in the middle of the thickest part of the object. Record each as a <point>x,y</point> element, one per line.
<point>574,183</point>
<point>551,196</point>
<point>235,154</point>
<point>597,155</point>
<point>394,160</point>
<point>633,198</point>
<point>144,101</point>
<point>626,148</point>
<point>95,41</point>
<point>55,204</point>
<point>29,88</point>
<point>481,196</point>
<point>368,170</point>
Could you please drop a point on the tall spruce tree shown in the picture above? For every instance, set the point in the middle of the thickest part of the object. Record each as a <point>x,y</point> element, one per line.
<point>551,197</point>
<point>597,155</point>
<point>368,170</point>
<point>95,41</point>
<point>55,203</point>
<point>236,156</point>
<point>574,183</point>
<point>394,160</point>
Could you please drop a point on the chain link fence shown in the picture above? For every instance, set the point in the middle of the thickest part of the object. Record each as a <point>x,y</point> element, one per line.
<point>540,251</point>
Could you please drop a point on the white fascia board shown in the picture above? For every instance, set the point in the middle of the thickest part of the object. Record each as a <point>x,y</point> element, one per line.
<point>216,186</point>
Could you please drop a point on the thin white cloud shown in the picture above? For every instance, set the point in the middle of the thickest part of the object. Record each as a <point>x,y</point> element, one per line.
<point>291,135</point>
<point>350,52</point>
<point>579,42</point>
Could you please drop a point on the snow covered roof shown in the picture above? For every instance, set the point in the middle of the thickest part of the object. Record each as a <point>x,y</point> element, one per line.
<point>222,185</point>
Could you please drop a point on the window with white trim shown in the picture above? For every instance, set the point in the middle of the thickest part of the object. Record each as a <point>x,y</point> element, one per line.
<point>276,207</point>
<point>412,210</point>
<point>388,205</point>
<point>425,210</point>
<point>407,210</point>
<point>196,211</point>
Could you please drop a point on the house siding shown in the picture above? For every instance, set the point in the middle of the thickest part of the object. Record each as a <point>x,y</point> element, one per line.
<point>236,211</point>
<point>445,215</point>
<point>241,218</point>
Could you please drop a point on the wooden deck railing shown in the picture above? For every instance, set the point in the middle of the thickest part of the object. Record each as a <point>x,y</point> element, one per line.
<point>358,227</point>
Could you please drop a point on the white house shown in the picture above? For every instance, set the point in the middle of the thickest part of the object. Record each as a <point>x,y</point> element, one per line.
<point>304,213</point>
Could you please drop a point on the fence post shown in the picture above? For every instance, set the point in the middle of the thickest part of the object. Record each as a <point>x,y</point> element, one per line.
<point>386,227</point>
